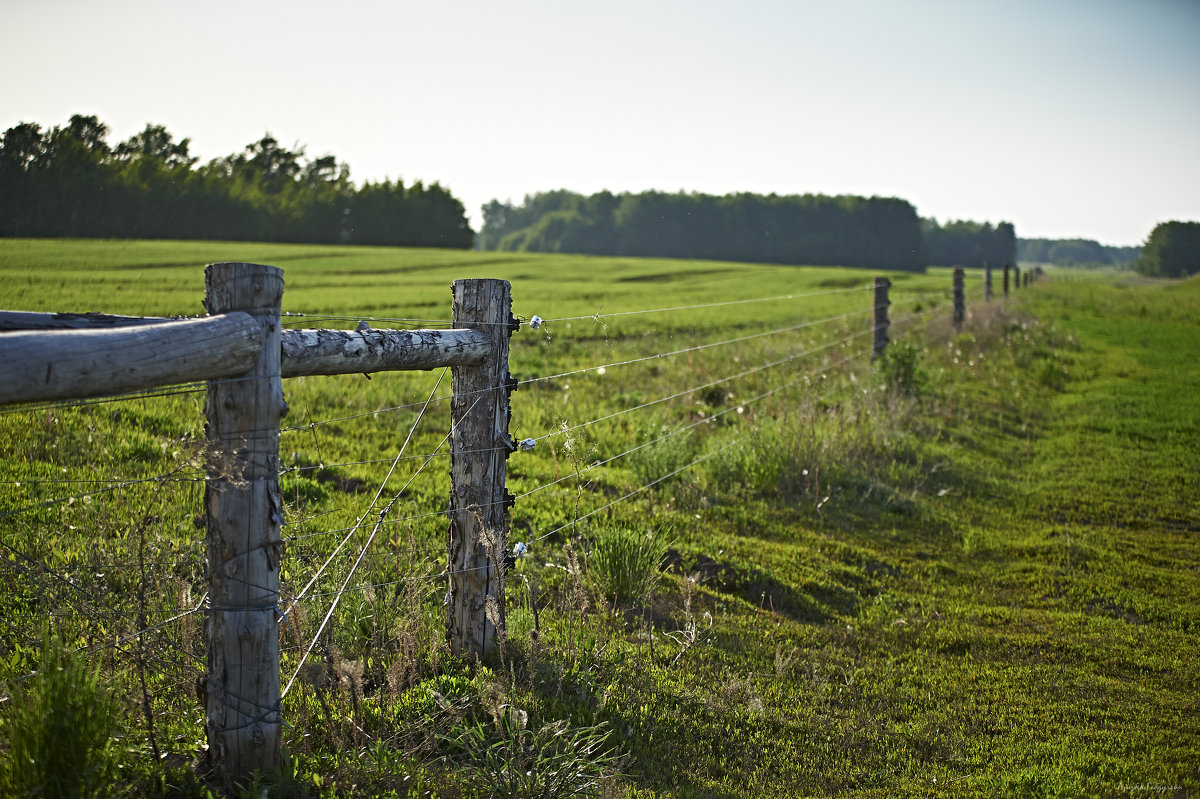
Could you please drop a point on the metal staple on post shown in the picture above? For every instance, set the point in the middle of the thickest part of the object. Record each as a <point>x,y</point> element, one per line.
<point>479,500</point>
<point>959,302</point>
<point>881,316</point>
<point>244,515</point>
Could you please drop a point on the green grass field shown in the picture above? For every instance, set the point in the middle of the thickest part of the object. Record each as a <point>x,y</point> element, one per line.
<point>970,569</point>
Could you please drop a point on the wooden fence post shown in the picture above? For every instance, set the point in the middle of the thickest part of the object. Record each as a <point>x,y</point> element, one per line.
<point>1006,268</point>
<point>987,281</point>
<point>244,514</point>
<point>959,302</point>
<point>881,316</point>
<point>480,446</point>
<point>1016,277</point>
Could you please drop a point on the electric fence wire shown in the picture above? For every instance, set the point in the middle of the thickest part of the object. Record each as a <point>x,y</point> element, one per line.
<point>678,431</point>
<point>711,419</point>
<point>105,399</point>
<point>161,478</point>
<point>200,606</point>
<point>629,410</point>
<point>746,373</point>
<point>358,524</point>
<point>346,589</point>
<point>87,494</point>
<point>391,320</point>
<point>313,425</point>
<point>564,430</point>
<point>606,366</point>
<point>597,316</point>
<point>366,545</point>
<point>89,612</point>
<point>667,476</point>
<point>696,348</point>
<point>695,462</point>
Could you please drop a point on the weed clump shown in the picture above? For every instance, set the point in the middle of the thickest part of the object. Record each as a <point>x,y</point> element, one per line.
<point>899,370</point>
<point>58,729</point>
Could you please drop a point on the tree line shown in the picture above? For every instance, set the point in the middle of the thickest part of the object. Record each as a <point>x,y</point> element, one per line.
<point>1172,250</point>
<point>1076,253</point>
<point>970,244</point>
<point>873,232</point>
<point>69,181</point>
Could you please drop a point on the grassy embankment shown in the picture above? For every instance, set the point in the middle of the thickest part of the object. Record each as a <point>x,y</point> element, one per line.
<point>981,577</point>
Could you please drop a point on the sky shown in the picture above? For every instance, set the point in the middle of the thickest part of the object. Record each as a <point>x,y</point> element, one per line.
<point>1068,118</point>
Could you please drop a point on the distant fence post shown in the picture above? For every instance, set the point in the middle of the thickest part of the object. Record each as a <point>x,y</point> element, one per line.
<point>959,302</point>
<point>244,514</point>
<point>1006,268</point>
<point>881,316</point>
<point>987,281</point>
<point>1016,277</point>
<point>480,446</point>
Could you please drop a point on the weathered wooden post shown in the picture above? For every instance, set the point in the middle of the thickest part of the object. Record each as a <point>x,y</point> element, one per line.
<point>244,514</point>
<point>480,446</point>
<point>987,281</point>
<point>881,316</point>
<point>959,302</point>
<point>1016,277</point>
<point>1006,268</point>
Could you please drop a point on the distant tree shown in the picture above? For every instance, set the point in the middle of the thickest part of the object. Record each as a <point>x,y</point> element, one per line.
<point>268,165</point>
<point>89,131</point>
<point>23,147</point>
<point>156,144</point>
<point>22,157</point>
<point>500,219</point>
<point>1172,250</point>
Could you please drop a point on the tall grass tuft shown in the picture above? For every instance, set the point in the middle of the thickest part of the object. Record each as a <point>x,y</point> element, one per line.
<point>624,564</point>
<point>514,760</point>
<point>58,729</point>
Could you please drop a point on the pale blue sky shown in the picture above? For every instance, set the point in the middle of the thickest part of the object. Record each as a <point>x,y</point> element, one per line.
<point>1067,117</point>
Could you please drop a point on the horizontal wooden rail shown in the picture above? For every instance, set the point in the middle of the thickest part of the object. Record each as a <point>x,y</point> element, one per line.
<point>340,352</point>
<point>75,364</point>
<point>92,360</point>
